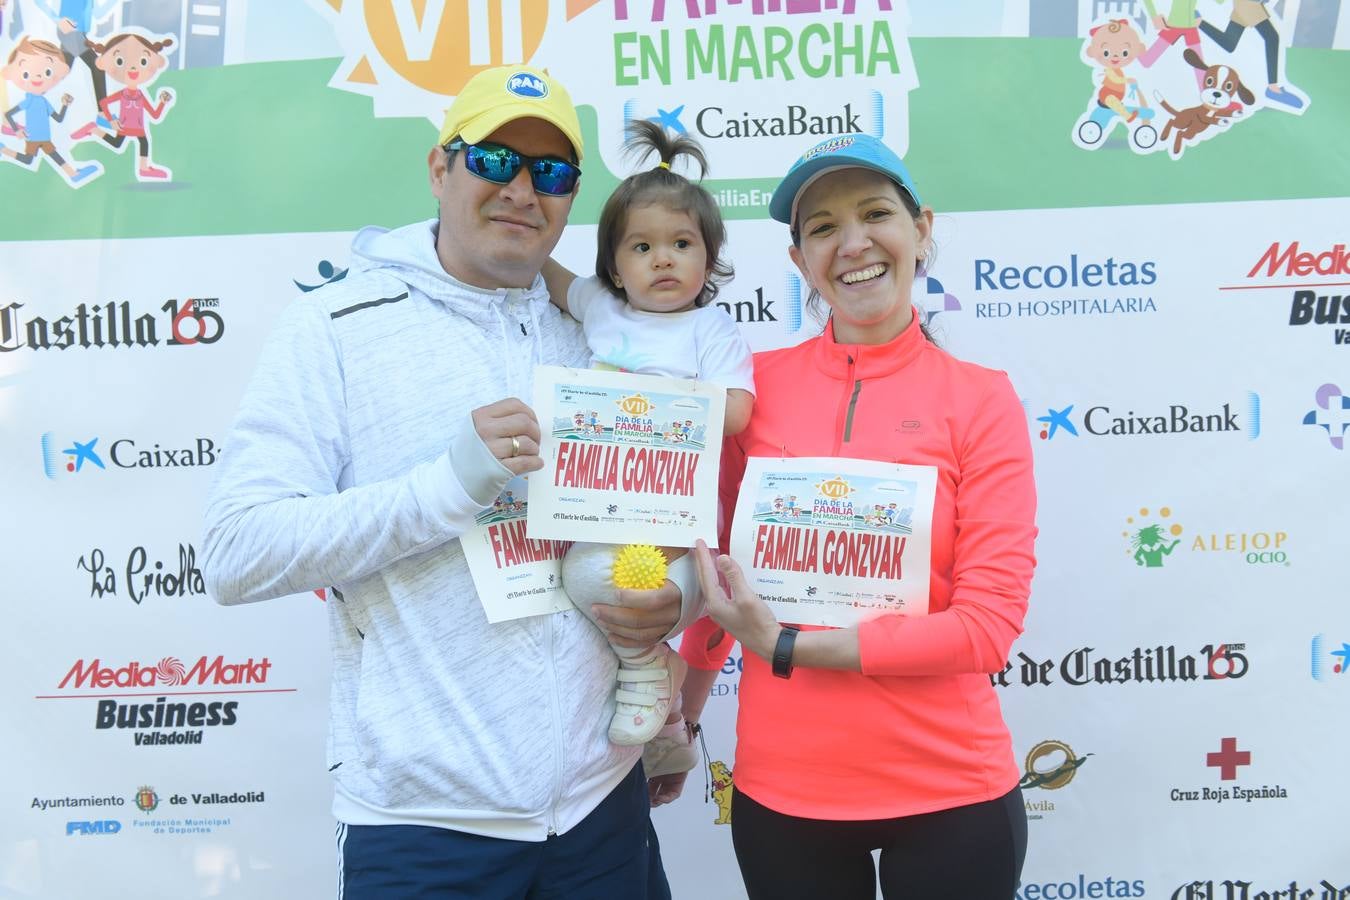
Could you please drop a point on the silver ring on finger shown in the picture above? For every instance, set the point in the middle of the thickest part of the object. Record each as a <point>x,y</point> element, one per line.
<point>515,446</point>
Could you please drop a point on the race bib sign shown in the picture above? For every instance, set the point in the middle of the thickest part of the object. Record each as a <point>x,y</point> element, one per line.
<point>829,541</point>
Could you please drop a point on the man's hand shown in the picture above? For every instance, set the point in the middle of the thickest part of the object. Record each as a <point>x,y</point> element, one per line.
<point>664,788</point>
<point>510,430</point>
<point>643,618</point>
<point>66,25</point>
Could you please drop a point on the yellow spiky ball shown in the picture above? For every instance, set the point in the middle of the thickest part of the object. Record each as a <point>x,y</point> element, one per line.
<point>639,567</point>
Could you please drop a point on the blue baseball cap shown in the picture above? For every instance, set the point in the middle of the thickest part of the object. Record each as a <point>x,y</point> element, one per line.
<point>852,151</point>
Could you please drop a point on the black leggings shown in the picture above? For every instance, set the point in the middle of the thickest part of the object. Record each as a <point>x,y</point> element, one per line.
<point>1228,39</point>
<point>968,853</point>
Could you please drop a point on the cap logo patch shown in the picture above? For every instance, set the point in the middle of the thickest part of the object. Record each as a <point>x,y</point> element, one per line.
<point>531,87</point>
<point>830,146</point>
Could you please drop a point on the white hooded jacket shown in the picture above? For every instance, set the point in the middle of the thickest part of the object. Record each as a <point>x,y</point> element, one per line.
<point>345,469</point>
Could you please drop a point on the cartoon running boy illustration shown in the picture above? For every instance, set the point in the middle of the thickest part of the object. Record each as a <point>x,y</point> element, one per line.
<point>35,67</point>
<point>133,60</point>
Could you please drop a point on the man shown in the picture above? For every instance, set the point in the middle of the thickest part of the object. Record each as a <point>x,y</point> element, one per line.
<point>470,760</point>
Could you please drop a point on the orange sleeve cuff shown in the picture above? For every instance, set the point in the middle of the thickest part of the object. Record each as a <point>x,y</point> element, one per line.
<point>694,645</point>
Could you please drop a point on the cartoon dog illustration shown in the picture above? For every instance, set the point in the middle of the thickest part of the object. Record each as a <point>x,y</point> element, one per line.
<point>721,791</point>
<point>1219,101</point>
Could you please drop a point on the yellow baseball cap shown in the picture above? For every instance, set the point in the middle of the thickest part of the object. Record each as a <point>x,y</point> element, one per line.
<point>503,94</point>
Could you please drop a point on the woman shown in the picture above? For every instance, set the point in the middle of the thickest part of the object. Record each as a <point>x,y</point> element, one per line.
<point>887,734</point>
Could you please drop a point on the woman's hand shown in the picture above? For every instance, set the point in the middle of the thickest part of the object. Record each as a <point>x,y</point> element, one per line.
<point>743,613</point>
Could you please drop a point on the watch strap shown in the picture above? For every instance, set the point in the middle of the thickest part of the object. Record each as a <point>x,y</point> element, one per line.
<point>782,651</point>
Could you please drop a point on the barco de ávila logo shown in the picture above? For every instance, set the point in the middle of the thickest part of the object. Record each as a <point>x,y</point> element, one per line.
<point>115,324</point>
<point>75,456</point>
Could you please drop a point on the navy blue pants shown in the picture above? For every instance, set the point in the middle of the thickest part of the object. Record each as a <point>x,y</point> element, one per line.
<point>612,853</point>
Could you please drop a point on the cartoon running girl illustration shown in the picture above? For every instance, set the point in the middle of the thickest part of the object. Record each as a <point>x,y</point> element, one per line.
<point>132,60</point>
<point>36,67</point>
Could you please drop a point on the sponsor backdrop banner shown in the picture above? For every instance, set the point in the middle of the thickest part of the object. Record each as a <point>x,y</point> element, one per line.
<point>1152,245</point>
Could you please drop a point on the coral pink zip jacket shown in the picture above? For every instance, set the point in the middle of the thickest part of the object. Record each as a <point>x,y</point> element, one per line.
<point>919,729</point>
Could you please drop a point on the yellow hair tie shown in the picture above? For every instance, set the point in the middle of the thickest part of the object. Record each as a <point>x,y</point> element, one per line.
<point>663,165</point>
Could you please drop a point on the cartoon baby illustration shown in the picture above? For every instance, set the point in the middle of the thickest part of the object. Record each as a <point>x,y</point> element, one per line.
<point>1113,46</point>
<point>35,67</point>
<point>133,60</point>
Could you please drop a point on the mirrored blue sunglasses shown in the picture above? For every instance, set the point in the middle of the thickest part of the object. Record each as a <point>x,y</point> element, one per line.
<point>498,164</point>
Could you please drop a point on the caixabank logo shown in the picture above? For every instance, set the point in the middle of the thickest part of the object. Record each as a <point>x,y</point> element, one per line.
<point>88,454</point>
<point>1073,286</point>
<point>1238,416</point>
<point>1164,664</point>
<point>147,799</point>
<point>1312,278</point>
<point>1232,782</point>
<point>115,325</point>
<point>751,118</point>
<point>1155,538</point>
<point>136,697</point>
<point>1330,659</point>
